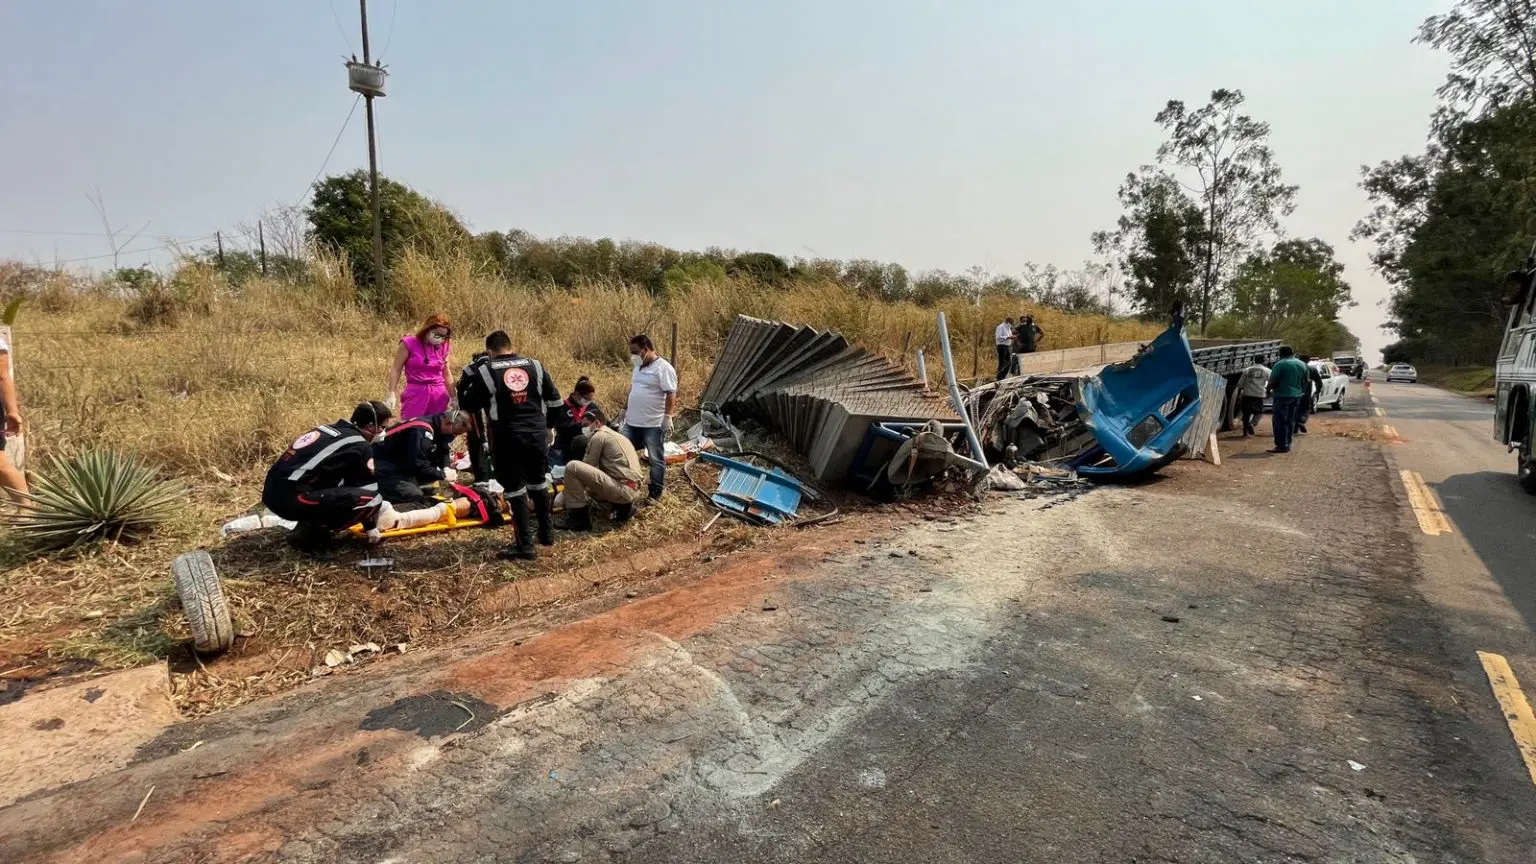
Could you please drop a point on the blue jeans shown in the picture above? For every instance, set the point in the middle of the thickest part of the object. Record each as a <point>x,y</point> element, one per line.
<point>650,439</point>
<point>1287,409</point>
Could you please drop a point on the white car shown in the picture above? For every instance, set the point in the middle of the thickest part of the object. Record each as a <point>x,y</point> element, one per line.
<point>1402,372</point>
<point>1335,385</point>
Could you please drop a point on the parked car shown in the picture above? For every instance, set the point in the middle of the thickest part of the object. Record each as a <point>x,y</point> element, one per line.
<point>1335,385</point>
<point>1403,372</point>
<point>1335,388</point>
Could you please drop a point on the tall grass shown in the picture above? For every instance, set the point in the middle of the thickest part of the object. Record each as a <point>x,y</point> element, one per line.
<point>229,375</point>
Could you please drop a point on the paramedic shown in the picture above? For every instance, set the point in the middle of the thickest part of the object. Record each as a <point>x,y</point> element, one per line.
<point>521,403</point>
<point>324,480</point>
<point>414,456</point>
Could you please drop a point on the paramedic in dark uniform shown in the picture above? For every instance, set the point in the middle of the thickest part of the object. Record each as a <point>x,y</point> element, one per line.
<point>324,480</point>
<point>521,405</point>
<point>475,440</point>
<point>414,456</point>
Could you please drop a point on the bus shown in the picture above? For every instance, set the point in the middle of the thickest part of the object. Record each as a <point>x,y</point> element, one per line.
<point>1515,376</point>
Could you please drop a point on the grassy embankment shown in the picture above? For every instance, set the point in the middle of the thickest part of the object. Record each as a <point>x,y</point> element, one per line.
<point>1470,380</point>
<point>208,382</point>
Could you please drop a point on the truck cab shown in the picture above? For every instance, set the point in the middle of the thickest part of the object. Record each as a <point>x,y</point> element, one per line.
<point>1515,378</point>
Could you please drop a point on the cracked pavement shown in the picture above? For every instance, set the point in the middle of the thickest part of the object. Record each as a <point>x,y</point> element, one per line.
<point>1184,671</point>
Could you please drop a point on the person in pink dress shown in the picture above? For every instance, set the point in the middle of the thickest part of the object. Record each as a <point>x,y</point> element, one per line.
<point>422,361</point>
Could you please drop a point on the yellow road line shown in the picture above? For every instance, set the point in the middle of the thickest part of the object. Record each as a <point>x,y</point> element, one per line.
<point>1426,509</point>
<point>1389,431</point>
<point>1379,412</point>
<point>1517,711</point>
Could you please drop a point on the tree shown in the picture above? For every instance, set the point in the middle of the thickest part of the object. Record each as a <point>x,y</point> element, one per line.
<point>1492,44</point>
<point>339,216</point>
<point>1155,242</point>
<point>1231,171</point>
<point>1293,285</point>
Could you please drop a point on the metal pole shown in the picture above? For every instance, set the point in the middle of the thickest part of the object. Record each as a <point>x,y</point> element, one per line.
<point>261,240</point>
<point>922,369</point>
<point>954,394</point>
<point>373,167</point>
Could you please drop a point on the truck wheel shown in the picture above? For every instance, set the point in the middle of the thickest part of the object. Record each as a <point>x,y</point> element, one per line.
<point>1232,413</point>
<point>203,601</point>
<point>1525,472</point>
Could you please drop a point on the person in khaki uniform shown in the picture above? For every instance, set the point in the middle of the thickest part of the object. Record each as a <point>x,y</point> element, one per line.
<point>609,472</point>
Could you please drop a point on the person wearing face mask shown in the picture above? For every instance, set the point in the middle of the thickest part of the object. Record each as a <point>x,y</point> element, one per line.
<point>422,359</point>
<point>324,481</point>
<point>609,471</point>
<point>569,440</point>
<point>652,407</point>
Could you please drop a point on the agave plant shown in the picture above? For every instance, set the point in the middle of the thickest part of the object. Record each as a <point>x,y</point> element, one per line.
<point>97,495</point>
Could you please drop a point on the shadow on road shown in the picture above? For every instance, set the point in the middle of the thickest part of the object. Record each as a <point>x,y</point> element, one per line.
<point>1499,522</point>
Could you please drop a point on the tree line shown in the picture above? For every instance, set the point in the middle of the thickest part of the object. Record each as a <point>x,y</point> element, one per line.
<point>1447,223</point>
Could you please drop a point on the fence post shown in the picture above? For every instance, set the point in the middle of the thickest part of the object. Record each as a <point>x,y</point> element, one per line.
<point>261,239</point>
<point>218,237</point>
<point>976,359</point>
<point>906,344</point>
<point>673,356</point>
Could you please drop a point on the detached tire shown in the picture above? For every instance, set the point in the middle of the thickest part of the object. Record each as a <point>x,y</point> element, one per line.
<point>203,601</point>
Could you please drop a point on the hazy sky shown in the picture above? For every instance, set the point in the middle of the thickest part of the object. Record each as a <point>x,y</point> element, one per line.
<point>933,134</point>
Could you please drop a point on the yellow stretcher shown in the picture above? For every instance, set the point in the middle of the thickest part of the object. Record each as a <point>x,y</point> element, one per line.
<point>451,521</point>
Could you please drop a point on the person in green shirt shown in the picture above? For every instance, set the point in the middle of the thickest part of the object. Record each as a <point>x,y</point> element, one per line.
<point>1288,384</point>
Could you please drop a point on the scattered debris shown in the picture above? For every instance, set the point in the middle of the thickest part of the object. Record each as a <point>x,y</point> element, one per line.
<point>755,494</point>
<point>815,389</point>
<point>334,657</point>
<point>364,648</point>
<point>1355,766</point>
<point>142,803</point>
<point>1172,619</point>
<point>93,615</point>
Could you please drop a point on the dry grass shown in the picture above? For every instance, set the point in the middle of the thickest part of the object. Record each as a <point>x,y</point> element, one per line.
<point>213,391</point>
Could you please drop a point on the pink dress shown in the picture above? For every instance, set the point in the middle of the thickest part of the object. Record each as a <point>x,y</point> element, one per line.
<point>424,393</point>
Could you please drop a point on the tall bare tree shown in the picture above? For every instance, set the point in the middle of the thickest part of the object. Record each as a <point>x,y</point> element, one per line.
<point>1223,158</point>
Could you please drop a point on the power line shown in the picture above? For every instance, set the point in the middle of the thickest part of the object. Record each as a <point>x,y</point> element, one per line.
<point>344,40</point>
<point>344,124</point>
<point>36,233</point>
<point>394,12</point>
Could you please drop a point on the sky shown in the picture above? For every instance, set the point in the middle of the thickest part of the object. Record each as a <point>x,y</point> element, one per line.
<point>932,134</point>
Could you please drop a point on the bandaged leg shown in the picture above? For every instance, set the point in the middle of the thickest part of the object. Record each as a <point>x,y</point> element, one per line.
<point>391,519</point>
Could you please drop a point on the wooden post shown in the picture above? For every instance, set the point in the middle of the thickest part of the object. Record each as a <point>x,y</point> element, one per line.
<point>261,240</point>
<point>906,344</point>
<point>673,356</point>
<point>976,359</point>
<point>218,238</point>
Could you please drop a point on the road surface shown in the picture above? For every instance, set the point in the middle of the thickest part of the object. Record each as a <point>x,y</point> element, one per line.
<point>1268,661</point>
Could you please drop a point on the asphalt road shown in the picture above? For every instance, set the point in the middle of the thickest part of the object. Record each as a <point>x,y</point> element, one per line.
<point>1257,663</point>
<point>1480,569</point>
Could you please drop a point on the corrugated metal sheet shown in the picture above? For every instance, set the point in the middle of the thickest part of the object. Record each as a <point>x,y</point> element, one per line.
<point>814,389</point>
<point>1213,399</point>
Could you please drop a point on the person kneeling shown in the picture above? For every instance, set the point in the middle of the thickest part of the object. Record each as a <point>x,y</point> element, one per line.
<point>411,459</point>
<point>324,481</point>
<point>609,471</point>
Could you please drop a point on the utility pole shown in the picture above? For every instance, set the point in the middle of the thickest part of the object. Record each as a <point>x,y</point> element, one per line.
<point>218,238</point>
<point>261,240</point>
<point>373,166</point>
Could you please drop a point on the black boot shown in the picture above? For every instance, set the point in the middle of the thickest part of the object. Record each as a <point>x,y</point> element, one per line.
<point>623,513</point>
<point>522,550</point>
<point>578,519</point>
<point>541,511</point>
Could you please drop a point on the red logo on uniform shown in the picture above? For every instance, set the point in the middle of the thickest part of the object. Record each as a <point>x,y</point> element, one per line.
<point>306,439</point>
<point>516,379</point>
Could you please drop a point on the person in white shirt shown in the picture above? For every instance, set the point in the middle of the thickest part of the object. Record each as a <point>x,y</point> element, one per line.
<point>652,407</point>
<point>1251,389</point>
<point>11,478</point>
<point>1003,336</point>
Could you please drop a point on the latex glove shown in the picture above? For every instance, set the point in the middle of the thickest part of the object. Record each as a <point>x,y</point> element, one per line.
<point>666,426</point>
<point>393,402</point>
<point>450,475</point>
<point>13,422</point>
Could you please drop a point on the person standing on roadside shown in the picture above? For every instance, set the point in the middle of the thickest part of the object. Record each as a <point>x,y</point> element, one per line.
<point>422,359</point>
<point>652,407</point>
<point>1309,399</point>
<point>1251,389</point>
<point>1003,336</point>
<point>1288,383</point>
<point>11,478</point>
<point>1029,335</point>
